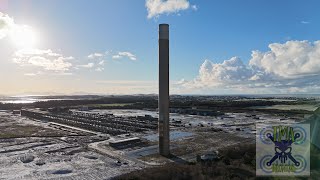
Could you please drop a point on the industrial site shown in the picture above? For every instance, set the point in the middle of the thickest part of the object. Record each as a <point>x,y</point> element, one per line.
<point>92,91</point>
<point>88,143</point>
<point>124,137</point>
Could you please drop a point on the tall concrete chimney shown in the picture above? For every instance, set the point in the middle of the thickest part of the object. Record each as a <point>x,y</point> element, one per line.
<point>164,90</point>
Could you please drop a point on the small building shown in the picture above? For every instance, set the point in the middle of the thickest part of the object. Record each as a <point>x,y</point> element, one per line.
<point>16,112</point>
<point>124,142</point>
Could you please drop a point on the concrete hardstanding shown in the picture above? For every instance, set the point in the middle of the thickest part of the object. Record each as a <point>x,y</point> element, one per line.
<point>164,90</point>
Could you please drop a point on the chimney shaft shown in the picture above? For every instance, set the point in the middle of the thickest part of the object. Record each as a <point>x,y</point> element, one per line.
<point>164,90</point>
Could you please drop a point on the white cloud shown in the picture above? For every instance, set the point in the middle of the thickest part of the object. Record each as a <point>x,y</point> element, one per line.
<point>99,69</point>
<point>304,22</point>
<point>292,67</point>
<point>194,7</point>
<point>96,66</point>
<point>101,63</point>
<point>31,52</point>
<point>182,81</point>
<point>289,60</point>
<point>95,55</point>
<point>21,35</point>
<point>89,65</point>
<point>30,74</point>
<point>98,59</point>
<point>126,82</point>
<point>46,59</point>
<point>38,59</point>
<point>229,70</point>
<point>124,54</point>
<point>64,74</point>
<point>157,7</point>
<point>116,57</point>
<point>96,62</point>
<point>6,24</point>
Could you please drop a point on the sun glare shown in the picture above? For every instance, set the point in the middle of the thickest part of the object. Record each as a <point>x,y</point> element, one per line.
<point>23,37</point>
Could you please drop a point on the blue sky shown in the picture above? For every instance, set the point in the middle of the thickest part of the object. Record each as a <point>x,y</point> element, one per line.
<point>204,36</point>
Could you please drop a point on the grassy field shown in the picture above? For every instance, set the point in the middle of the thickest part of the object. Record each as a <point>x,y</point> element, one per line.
<point>13,127</point>
<point>308,107</point>
<point>18,131</point>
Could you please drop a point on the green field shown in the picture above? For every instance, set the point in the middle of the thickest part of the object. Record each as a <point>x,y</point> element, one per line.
<point>308,107</point>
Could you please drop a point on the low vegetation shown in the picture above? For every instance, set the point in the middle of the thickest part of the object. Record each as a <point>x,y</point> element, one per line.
<point>238,163</point>
<point>235,163</point>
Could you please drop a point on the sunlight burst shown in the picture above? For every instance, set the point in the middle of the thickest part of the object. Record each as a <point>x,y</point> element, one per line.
<point>23,37</point>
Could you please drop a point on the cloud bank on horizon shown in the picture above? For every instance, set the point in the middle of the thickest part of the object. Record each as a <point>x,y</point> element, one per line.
<point>291,67</point>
